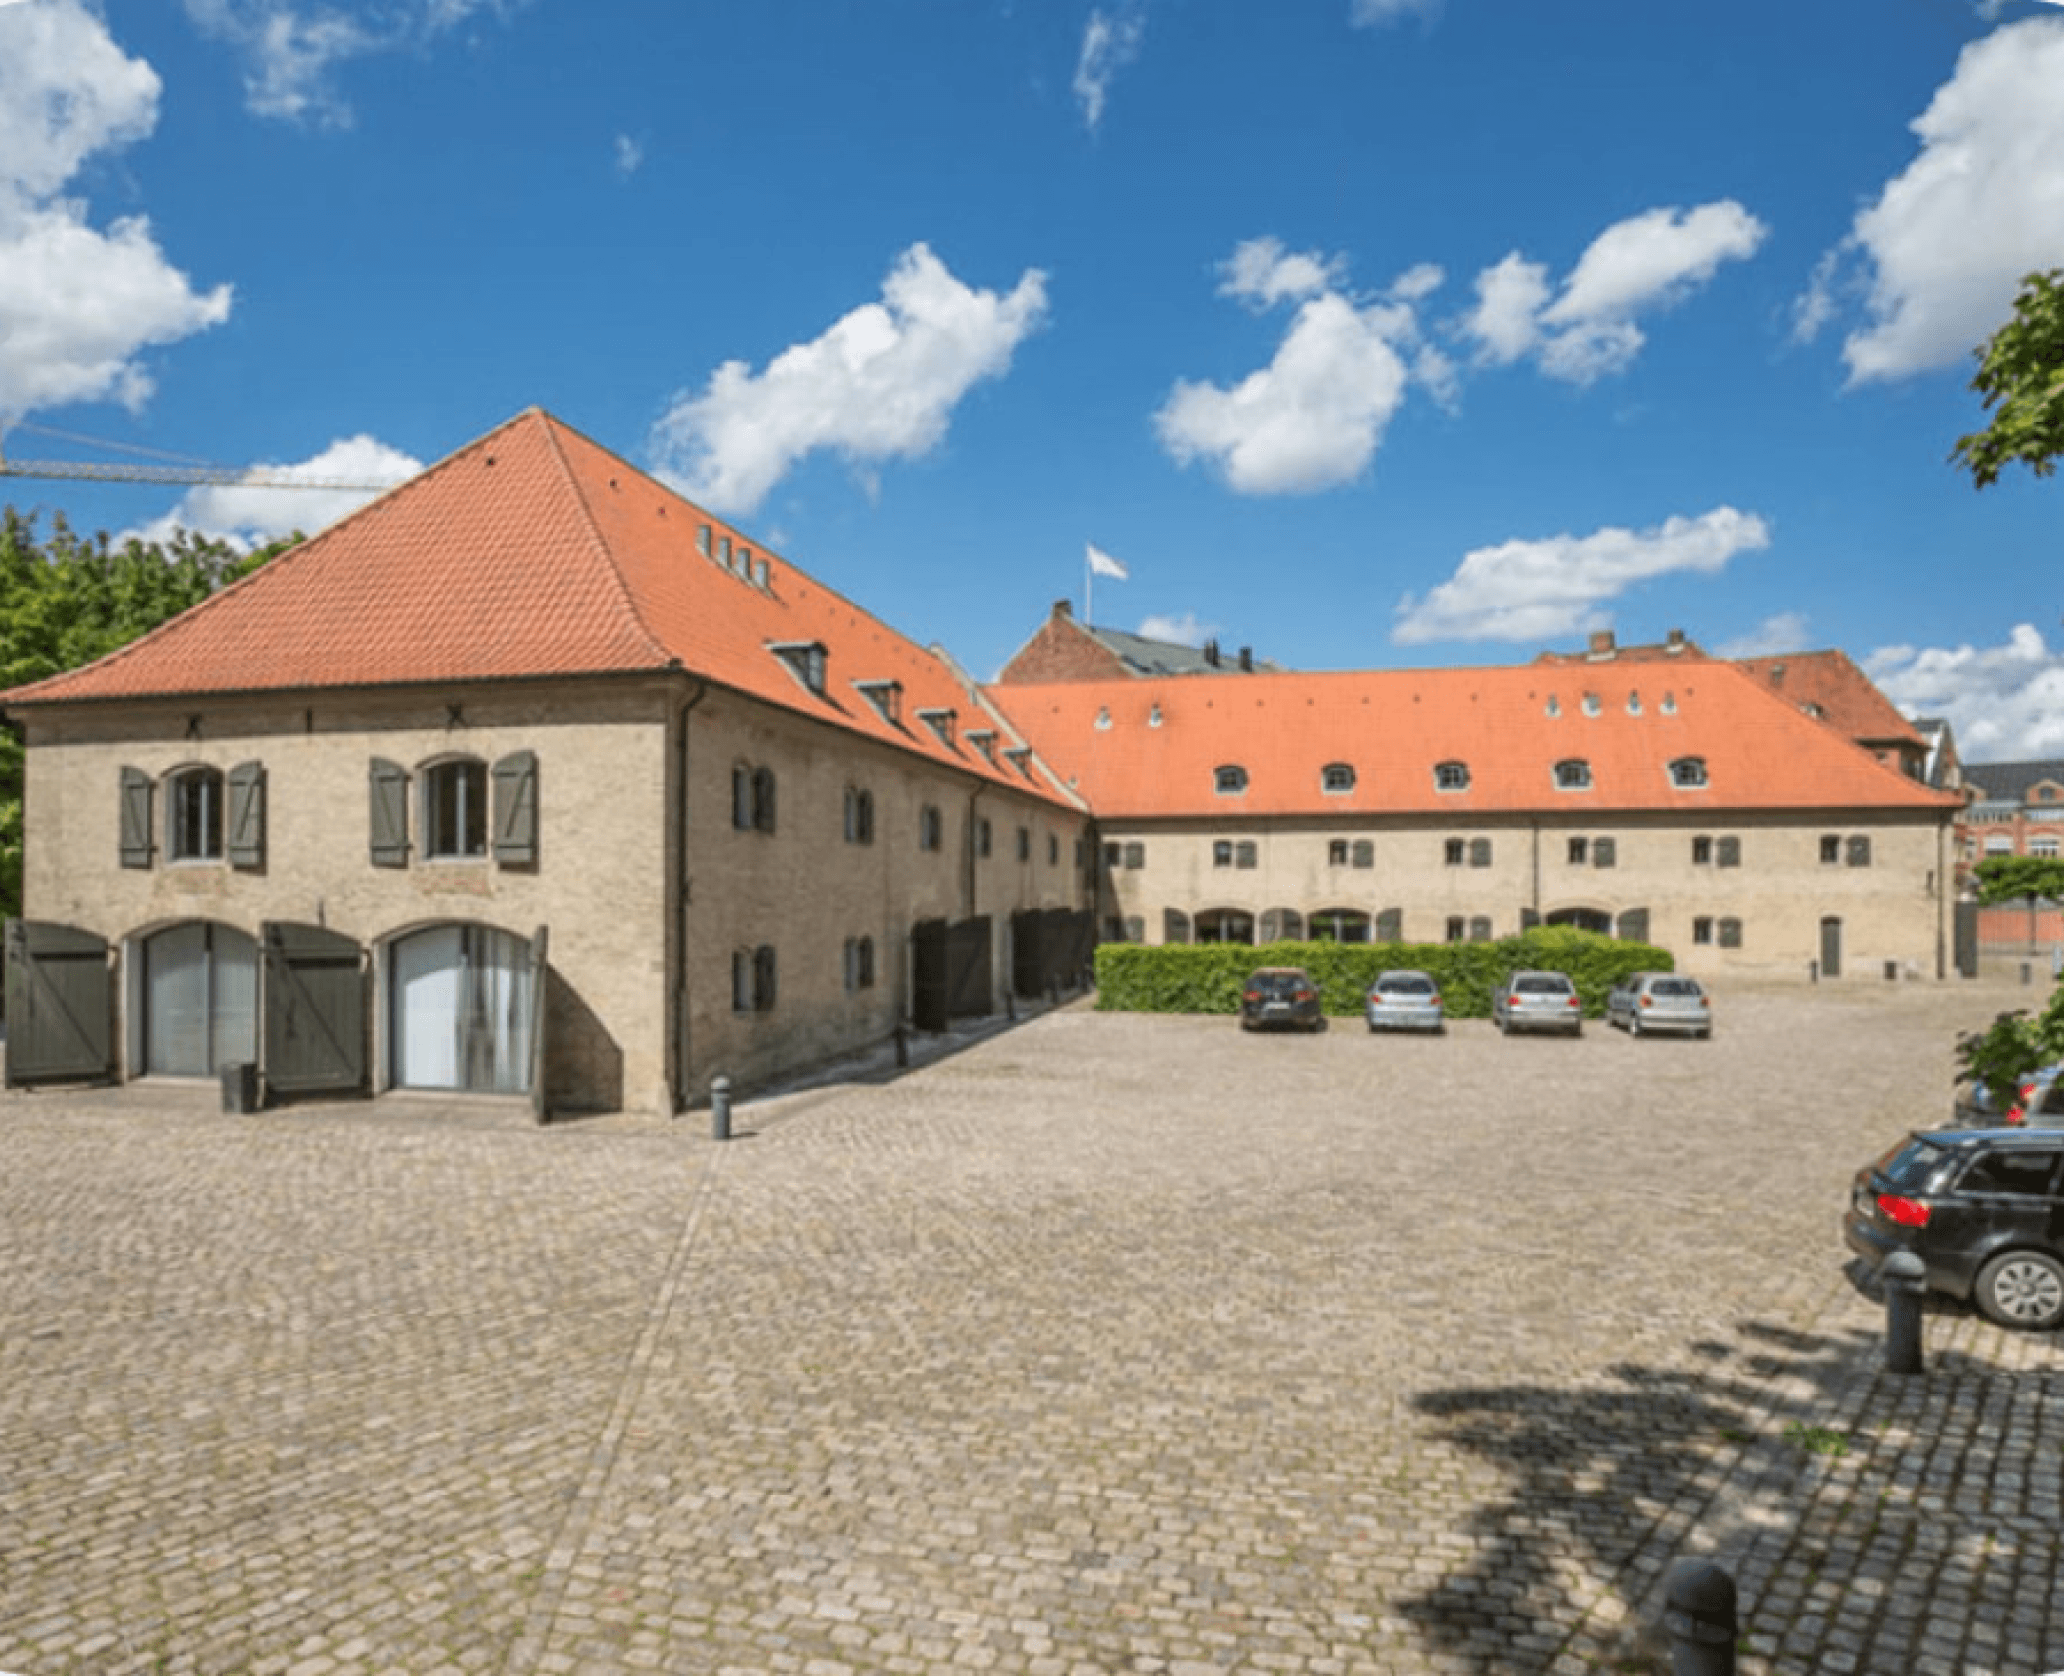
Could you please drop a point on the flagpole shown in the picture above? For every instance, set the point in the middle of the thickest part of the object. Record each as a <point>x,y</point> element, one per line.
<point>1088,590</point>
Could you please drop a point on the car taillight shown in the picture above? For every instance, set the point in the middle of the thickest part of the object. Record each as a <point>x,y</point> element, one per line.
<point>1577,1001</point>
<point>1647,1001</point>
<point>1252,995</point>
<point>2015,1114</point>
<point>1908,1213</point>
<point>1305,995</point>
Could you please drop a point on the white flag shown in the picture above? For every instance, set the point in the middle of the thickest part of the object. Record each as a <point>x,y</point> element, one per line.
<point>1102,564</point>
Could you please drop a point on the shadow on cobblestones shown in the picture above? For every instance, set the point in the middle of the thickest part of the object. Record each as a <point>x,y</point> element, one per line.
<point>1610,1485</point>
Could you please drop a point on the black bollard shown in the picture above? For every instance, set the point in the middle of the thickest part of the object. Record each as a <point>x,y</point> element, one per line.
<point>720,1108</point>
<point>1905,1279</point>
<point>902,1048</point>
<point>1700,1618</point>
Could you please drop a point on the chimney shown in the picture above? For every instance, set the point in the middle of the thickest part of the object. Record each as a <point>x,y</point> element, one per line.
<point>1247,659</point>
<point>1601,643</point>
<point>1062,608</point>
<point>1777,675</point>
<point>1675,641</point>
<point>1211,653</point>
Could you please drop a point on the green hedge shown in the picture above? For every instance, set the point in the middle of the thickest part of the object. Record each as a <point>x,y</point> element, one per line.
<point>1187,978</point>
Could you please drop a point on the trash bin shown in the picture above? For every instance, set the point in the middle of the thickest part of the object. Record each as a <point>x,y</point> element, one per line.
<point>240,1087</point>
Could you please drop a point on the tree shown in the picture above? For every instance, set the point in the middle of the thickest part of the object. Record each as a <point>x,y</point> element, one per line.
<point>2012,878</point>
<point>2021,377</point>
<point>69,600</point>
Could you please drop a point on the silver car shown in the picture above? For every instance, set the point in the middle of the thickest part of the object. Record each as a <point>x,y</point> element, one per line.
<point>1653,1001</point>
<point>1405,1000</point>
<point>1538,1001</point>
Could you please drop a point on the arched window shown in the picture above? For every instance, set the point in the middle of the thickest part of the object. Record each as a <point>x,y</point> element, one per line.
<point>1451,776</point>
<point>1225,925</point>
<point>455,808</point>
<point>859,815</point>
<point>1688,772</point>
<point>193,815</point>
<point>1337,777</point>
<point>1573,774</point>
<point>1175,926</point>
<point>1282,925</point>
<point>1229,780</point>
<point>1340,925</point>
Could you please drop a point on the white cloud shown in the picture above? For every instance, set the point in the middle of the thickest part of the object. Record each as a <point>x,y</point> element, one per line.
<point>2005,703</point>
<point>1539,590</point>
<point>629,155</point>
<point>291,49</point>
<point>1943,248</point>
<point>1261,272</point>
<point>1643,264</point>
<point>879,384</point>
<point>1786,631</point>
<point>247,515</point>
<point>77,305</point>
<point>1369,14</point>
<point>1185,630</point>
<point>1111,41</point>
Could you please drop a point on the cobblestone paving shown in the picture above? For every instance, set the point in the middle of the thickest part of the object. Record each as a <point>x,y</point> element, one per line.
<point>1105,1344</point>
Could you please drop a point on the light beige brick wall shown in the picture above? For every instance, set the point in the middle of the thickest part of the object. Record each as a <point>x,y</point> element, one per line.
<point>1895,909</point>
<point>804,890</point>
<point>599,884</point>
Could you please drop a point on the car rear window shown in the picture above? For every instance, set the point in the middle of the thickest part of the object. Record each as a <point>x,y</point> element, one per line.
<point>1278,983</point>
<point>1674,986</point>
<point>1405,986</point>
<point>1912,1165</point>
<point>1542,986</point>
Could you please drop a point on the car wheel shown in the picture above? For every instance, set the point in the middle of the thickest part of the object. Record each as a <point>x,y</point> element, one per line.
<point>1633,1024</point>
<point>2022,1289</point>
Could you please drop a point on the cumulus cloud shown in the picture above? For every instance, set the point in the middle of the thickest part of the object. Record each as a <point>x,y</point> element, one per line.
<point>291,49</point>
<point>1641,265</point>
<point>879,384</point>
<point>2005,703</point>
<point>1313,417</point>
<point>249,514</point>
<point>1110,42</point>
<point>1938,256</point>
<point>1185,630</point>
<point>1541,590</point>
<point>77,304</point>
<point>1786,631</point>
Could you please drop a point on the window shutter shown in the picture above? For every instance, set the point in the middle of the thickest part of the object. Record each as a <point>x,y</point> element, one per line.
<point>387,806</point>
<point>1390,926</point>
<point>136,818</point>
<point>1604,852</point>
<point>1633,926</point>
<point>1727,852</point>
<point>246,784</point>
<point>516,809</point>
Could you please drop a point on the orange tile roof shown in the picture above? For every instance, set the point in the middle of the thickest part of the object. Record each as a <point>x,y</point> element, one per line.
<point>1393,726</point>
<point>1846,699</point>
<point>536,552</point>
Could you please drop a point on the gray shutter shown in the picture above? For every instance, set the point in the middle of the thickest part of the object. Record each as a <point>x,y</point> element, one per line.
<point>387,804</point>
<point>1604,852</point>
<point>1727,852</point>
<point>247,815</point>
<point>1633,926</point>
<point>516,809</point>
<point>136,818</point>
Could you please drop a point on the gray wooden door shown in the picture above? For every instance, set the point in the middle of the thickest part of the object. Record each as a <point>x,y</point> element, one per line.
<point>928,989</point>
<point>313,1004</point>
<point>60,1005</point>
<point>967,968</point>
<point>1831,947</point>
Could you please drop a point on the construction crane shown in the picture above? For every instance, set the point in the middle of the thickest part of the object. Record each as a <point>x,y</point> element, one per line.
<point>178,470</point>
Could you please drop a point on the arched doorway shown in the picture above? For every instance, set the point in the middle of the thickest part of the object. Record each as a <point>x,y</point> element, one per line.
<point>199,994</point>
<point>461,1009</point>
<point>1225,925</point>
<point>1340,925</point>
<point>1584,919</point>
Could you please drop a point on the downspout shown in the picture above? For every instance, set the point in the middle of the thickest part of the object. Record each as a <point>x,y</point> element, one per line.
<point>973,891</point>
<point>1534,826</point>
<point>677,990</point>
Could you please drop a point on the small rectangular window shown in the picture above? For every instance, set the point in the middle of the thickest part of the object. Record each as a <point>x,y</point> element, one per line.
<point>1222,853</point>
<point>1114,854</point>
<point>1135,855</point>
<point>1730,933</point>
<point>1702,929</point>
<point>1702,852</point>
<point>1457,928</point>
<point>1579,851</point>
<point>1454,850</point>
<point>1025,843</point>
<point>1859,851</point>
<point>1336,852</point>
<point>1830,850</point>
<point>1728,852</point>
<point>1479,852</point>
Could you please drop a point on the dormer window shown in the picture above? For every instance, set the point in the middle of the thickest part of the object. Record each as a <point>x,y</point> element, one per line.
<point>1337,777</point>
<point>1229,781</point>
<point>941,722</point>
<point>1688,772</point>
<point>1154,716</point>
<point>984,740</point>
<point>724,551</point>
<point>1103,719</point>
<point>1669,704</point>
<point>1591,704</point>
<point>1020,758</point>
<point>702,539</point>
<point>807,658</point>
<point>1633,704</point>
<point>1573,774</point>
<point>1451,776</point>
<point>1554,705</point>
<point>886,697</point>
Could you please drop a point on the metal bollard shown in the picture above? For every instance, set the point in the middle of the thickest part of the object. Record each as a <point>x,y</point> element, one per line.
<point>720,1108</point>
<point>2027,973</point>
<point>1813,971</point>
<point>902,1048</point>
<point>1701,1620</point>
<point>1905,1279</point>
<point>1010,1008</point>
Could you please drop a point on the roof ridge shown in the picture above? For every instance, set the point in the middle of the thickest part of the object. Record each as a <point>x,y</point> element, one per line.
<point>552,427</point>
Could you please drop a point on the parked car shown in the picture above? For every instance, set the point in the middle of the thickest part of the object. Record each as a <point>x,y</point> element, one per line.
<point>2038,1099</point>
<point>1645,1001</point>
<point>1281,997</point>
<point>1404,1000</point>
<point>1982,1208</point>
<point>1538,1001</point>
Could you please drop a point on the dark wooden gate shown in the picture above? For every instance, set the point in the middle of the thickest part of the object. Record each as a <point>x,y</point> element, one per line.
<point>312,999</point>
<point>1028,959</point>
<point>60,1005</point>
<point>928,974</point>
<point>1966,939</point>
<point>967,968</point>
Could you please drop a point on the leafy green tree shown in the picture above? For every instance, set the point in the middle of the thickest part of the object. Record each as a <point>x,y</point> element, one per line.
<point>2012,878</point>
<point>2021,377</point>
<point>2015,1043</point>
<point>67,600</point>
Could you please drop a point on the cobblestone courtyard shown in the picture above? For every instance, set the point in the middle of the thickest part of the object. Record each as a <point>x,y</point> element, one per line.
<point>1104,1344</point>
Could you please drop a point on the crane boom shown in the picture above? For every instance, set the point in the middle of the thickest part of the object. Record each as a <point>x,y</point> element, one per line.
<point>101,471</point>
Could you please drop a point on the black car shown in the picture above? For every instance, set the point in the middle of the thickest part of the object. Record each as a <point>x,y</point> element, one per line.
<point>1281,996</point>
<point>1982,1208</point>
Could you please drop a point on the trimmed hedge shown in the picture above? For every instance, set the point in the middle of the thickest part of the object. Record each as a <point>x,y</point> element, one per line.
<point>1208,978</point>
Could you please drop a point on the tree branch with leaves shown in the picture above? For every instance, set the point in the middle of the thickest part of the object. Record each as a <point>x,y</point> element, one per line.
<point>2021,377</point>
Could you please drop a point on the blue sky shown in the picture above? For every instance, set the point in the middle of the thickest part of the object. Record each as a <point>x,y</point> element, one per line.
<point>1363,332</point>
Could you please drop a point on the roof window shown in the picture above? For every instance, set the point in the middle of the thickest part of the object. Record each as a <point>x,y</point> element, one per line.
<point>702,539</point>
<point>1337,777</point>
<point>1229,780</point>
<point>984,740</point>
<point>1688,771</point>
<point>1154,716</point>
<point>1103,719</point>
<point>1573,774</point>
<point>1591,704</point>
<point>1020,758</point>
<point>1554,705</point>
<point>807,658</point>
<point>942,722</point>
<point>885,696</point>
<point>1451,776</point>
<point>1633,704</point>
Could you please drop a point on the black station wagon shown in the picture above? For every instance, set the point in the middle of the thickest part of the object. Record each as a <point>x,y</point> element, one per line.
<point>1982,1208</point>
